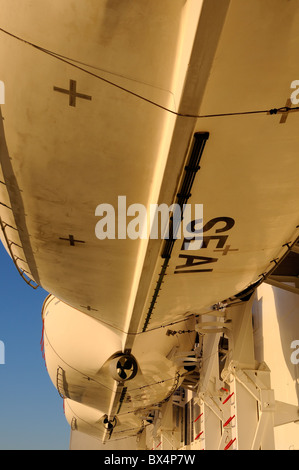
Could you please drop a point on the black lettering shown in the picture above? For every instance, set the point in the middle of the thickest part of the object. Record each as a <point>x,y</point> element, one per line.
<point>190,271</point>
<point>229,223</point>
<point>195,261</point>
<point>221,240</point>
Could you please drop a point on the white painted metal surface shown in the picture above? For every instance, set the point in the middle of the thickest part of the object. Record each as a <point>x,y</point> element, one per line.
<point>118,144</point>
<point>108,104</point>
<point>80,357</point>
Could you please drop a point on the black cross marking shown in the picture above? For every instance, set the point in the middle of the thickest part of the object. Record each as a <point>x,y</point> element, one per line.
<point>284,116</point>
<point>72,92</point>
<point>226,250</point>
<point>89,308</point>
<point>72,240</point>
<point>284,111</point>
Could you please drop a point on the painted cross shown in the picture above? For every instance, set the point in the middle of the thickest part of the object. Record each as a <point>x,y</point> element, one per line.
<point>89,308</point>
<point>284,111</point>
<point>72,240</point>
<point>285,114</point>
<point>72,92</point>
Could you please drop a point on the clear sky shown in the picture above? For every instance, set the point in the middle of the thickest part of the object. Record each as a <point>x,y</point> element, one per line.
<point>31,410</point>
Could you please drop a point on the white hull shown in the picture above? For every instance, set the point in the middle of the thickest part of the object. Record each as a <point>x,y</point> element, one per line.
<point>82,360</point>
<point>151,77</point>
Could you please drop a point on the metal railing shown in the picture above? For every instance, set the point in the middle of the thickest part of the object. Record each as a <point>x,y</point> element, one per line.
<point>23,273</point>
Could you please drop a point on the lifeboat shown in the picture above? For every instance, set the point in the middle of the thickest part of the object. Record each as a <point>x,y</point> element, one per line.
<point>88,365</point>
<point>95,423</point>
<point>148,103</point>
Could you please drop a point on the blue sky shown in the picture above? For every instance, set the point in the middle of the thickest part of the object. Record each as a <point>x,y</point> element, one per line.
<point>31,410</point>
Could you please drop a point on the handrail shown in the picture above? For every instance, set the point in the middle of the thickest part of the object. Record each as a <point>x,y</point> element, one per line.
<point>15,259</point>
<point>61,382</point>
